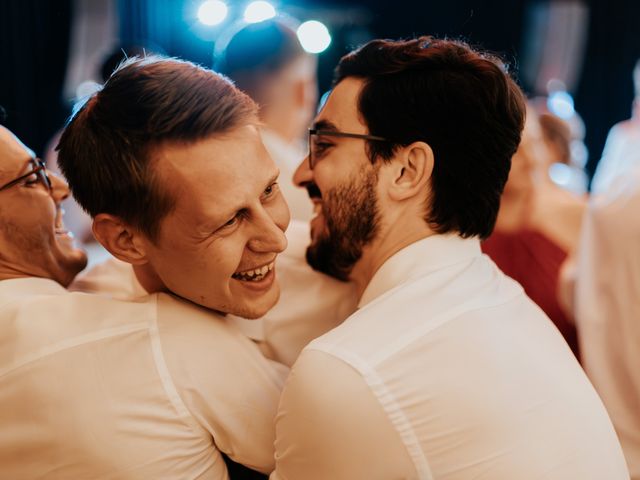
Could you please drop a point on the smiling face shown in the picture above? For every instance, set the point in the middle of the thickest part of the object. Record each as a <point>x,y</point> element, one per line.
<point>218,246</point>
<point>33,239</point>
<point>342,186</point>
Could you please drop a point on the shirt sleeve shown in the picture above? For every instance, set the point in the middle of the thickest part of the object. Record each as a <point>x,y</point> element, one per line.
<point>330,425</point>
<point>226,384</point>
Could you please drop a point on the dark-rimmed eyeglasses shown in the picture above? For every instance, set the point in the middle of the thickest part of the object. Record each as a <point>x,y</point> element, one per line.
<point>316,149</point>
<point>39,172</point>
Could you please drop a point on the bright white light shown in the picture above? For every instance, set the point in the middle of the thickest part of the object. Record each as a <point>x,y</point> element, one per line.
<point>314,36</point>
<point>212,12</point>
<point>561,104</point>
<point>259,12</point>
<point>560,174</point>
<point>86,88</point>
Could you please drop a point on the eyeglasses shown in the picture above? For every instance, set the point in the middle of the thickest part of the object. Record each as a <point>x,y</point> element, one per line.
<point>316,149</point>
<point>40,172</point>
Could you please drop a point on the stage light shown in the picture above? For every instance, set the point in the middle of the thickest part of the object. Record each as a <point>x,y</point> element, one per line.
<point>314,36</point>
<point>212,12</point>
<point>561,104</point>
<point>259,12</point>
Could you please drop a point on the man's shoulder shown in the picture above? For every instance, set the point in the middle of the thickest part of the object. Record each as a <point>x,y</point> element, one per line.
<point>417,308</point>
<point>194,338</point>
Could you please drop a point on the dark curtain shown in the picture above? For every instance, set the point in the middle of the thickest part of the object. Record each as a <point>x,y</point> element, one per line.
<point>34,45</point>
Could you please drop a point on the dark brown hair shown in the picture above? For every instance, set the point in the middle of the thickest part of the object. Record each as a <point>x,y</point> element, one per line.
<point>106,150</point>
<point>459,101</point>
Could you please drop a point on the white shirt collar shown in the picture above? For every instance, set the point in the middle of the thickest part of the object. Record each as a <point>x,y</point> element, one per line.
<point>424,256</point>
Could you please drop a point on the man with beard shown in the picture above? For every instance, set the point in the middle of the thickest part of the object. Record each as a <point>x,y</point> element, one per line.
<point>447,369</point>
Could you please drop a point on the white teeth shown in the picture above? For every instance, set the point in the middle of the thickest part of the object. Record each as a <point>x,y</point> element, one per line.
<point>254,275</point>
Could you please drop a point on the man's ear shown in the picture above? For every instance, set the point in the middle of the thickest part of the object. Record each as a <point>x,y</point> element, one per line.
<point>120,239</point>
<point>412,169</point>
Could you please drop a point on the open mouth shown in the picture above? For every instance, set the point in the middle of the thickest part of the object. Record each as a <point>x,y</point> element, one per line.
<point>254,275</point>
<point>317,207</point>
<point>59,227</point>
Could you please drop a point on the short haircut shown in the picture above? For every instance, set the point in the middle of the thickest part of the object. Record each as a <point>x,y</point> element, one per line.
<point>255,51</point>
<point>106,151</point>
<point>459,101</point>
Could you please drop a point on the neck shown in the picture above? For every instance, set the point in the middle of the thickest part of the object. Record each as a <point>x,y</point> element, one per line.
<point>386,244</point>
<point>9,271</point>
<point>149,279</point>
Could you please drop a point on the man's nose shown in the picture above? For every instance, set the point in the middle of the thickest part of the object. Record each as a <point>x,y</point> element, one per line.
<point>269,236</point>
<point>303,174</point>
<point>59,188</point>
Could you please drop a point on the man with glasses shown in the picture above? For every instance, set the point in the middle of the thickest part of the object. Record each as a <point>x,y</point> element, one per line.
<point>33,239</point>
<point>447,369</point>
<point>158,387</point>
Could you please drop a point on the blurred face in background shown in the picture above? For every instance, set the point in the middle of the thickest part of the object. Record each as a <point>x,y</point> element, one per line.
<point>33,239</point>
<point>531,160</point>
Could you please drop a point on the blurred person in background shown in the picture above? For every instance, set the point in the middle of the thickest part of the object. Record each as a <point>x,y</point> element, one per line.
<point>266,61</point>
<point>607,306</point>
<point>538,226</point>
<point>564,140</point>
<point>622,149</point>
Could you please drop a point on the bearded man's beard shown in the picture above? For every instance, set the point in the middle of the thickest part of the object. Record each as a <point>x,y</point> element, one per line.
<point>351,219</point>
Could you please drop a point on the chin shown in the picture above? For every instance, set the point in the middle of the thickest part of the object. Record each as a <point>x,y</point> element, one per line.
<point>258,308</point>
<point>70,266</point>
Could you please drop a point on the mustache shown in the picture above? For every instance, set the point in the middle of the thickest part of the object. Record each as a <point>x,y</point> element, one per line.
<point>313,190</point>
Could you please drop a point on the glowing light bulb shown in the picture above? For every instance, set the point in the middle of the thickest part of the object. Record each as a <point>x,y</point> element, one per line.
<point>314,36</point>
<point>259,11</point>
<point>212,12</point>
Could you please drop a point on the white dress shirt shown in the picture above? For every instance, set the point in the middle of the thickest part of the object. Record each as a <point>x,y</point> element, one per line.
<point>92,387</point>
<point>310,303</point>
<point>607,304</point>
<point>446,371</point>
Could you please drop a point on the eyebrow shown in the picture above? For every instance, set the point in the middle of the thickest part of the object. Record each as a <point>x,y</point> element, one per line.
<point>325,125</point>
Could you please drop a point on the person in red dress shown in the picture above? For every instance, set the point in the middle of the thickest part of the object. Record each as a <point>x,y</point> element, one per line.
<point>538,227</point>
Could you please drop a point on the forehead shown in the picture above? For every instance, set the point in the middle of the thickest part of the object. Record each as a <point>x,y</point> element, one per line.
<point>341,108</point>
<point>14,156</point>
<point>215,173</point>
